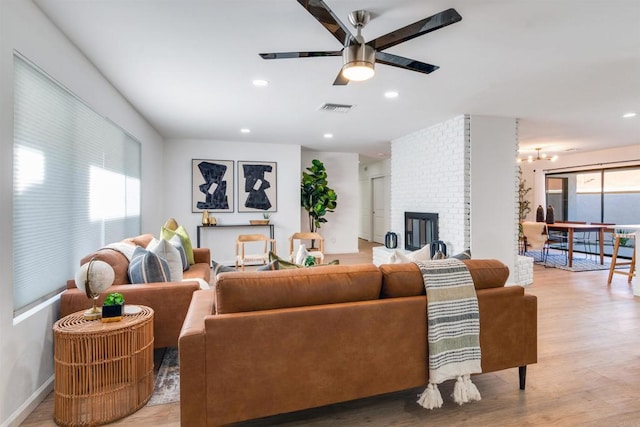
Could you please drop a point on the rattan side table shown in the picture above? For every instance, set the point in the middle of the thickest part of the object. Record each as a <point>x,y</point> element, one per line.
<point>103,371</point>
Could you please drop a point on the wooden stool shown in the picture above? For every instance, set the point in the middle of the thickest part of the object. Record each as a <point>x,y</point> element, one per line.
<point>614,258</point>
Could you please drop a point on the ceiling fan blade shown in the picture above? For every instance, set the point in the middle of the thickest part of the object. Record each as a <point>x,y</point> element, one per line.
<point>406,63</point>
<point>328,19</point>
<point>285,55</point>
<point>432,23</point>
<point>340,80</point>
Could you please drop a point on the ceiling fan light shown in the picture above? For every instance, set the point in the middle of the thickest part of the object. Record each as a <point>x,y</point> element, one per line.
<point>359,62</point>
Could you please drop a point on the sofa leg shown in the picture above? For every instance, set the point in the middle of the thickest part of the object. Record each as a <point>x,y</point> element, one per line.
<point>522,371</point>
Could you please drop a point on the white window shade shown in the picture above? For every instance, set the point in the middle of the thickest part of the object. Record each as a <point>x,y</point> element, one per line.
<point>76,184</point>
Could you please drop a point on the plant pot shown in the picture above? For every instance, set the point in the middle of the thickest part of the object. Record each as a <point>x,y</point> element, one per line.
<point>112,313</point>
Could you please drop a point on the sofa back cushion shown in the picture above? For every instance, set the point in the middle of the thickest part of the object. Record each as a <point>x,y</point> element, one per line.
<point>266,290</point>
<point>405,280</point>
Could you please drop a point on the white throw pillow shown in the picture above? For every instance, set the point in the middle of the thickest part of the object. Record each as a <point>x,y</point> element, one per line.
<point>422,254</point>
<point>169,253</point>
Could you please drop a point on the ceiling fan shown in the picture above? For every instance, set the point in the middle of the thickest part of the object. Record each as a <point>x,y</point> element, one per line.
<point>359,57</point>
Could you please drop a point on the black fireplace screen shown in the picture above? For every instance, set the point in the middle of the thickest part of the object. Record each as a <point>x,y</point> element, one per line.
<point>420,229</point>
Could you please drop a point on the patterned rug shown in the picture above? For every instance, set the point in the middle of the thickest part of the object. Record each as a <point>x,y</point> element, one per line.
<point>579,264</point>
<point>167,387</point>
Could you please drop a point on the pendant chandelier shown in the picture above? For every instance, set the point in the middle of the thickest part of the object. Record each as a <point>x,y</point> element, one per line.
<point>540,156</point>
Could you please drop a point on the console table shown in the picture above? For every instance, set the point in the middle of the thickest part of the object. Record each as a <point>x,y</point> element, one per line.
<point>212,227</point>
<point>103,371</point>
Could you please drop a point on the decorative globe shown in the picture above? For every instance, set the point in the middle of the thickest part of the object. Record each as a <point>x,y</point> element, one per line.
<point>93,278</point>
<point>97,274</point>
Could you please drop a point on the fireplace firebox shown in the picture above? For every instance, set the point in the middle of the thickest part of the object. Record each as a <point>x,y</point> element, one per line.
<point>420,229</point>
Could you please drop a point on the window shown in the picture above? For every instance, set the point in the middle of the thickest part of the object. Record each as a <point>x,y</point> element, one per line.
<point>603,195</point>
<point>76,184</point>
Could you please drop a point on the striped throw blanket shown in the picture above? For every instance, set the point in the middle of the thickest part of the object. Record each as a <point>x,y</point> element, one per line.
<point>453,335</point>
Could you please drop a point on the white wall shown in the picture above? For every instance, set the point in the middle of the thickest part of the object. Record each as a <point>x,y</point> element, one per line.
<point>27,349</point>
<point>367,173</point>
<point>221,241</point>
<point>341,229</point>
<point>494,189</point>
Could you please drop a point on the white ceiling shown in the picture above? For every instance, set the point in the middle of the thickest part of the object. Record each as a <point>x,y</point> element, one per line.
<point>568,69</point>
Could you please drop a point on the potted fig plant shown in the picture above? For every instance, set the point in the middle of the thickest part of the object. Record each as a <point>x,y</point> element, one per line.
<point>316,197</point>
<point>113,307</point>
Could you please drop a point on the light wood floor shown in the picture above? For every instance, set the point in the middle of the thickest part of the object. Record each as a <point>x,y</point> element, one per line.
<point>588,370</point>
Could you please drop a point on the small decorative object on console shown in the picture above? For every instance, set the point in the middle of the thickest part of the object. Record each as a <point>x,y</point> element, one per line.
<point>113,307</point>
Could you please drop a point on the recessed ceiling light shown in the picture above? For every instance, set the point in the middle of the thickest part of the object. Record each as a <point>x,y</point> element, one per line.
<point>629,115</point>
<point>391,94</point>
<point>260,83</point>
<point>328,135</point>
<point>245,130</point>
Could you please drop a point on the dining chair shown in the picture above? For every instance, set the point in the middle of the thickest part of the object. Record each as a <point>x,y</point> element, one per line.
<point>253,248</point>
<point>558,240</point>
<point>615,264</point>
<point>581,238</point>
<point>608,233</point>
<point>535,234</point>
<point>317,253</point>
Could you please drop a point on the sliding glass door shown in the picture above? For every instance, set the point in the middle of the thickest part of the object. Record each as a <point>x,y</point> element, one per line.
<point>602,196</point>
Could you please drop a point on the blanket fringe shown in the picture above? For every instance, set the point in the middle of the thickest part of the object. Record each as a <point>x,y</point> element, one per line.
<point>464,390</point>
<point>431,397</point>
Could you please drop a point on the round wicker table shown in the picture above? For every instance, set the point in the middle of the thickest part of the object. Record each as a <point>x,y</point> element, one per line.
<point>103,371</point>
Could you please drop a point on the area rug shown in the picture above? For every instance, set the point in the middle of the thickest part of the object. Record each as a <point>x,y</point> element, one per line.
<point>167,387</point>
<point>579,264</point>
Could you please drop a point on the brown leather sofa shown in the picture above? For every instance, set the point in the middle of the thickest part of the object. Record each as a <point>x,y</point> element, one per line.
<point>169,300</point>
<point>264,343</point>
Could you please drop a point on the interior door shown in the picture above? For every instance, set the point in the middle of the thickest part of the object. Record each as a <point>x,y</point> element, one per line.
<point>378,209</point>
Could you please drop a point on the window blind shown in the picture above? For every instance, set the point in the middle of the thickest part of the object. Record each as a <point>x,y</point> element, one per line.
<point>76,184</point>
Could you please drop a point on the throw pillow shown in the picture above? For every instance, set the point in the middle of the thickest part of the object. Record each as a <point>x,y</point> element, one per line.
<point>398,257</point>
<point>463,255</point>
<point>184,236</point>
<point>171,224</point>
<point>422,254</point>
<point>177,243</point>
<point>169,253</point>
<point>282,264</point>
<point>273,265</point>
<point>147,267</point>
<point>219,268</point>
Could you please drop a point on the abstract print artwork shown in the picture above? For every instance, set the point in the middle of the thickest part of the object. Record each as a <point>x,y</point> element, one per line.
<point>257,182</point>
<point>212,185</point>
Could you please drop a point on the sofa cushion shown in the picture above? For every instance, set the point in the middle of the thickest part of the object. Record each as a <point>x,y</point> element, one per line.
<point>405,280</point>
<point>169,253</point>
<point>265,290</point>
<point>147,267</point>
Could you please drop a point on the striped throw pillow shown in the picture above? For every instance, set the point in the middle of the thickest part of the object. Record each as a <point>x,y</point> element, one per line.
<point>147,267</point>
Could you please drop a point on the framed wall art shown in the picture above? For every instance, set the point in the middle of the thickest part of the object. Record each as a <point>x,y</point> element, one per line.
<point>257,186</point>
<point>212,185</point>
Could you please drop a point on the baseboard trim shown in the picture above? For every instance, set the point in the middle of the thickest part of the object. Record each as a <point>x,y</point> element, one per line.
<point>21,414</point>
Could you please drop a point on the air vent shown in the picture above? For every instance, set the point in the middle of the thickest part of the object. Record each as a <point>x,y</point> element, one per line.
<point>336,108</point>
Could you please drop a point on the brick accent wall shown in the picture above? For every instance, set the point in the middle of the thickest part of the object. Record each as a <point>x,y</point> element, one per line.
<point>430,173</point>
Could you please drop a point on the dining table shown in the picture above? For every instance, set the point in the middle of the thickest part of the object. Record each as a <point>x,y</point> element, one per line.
<point>571,228</point>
